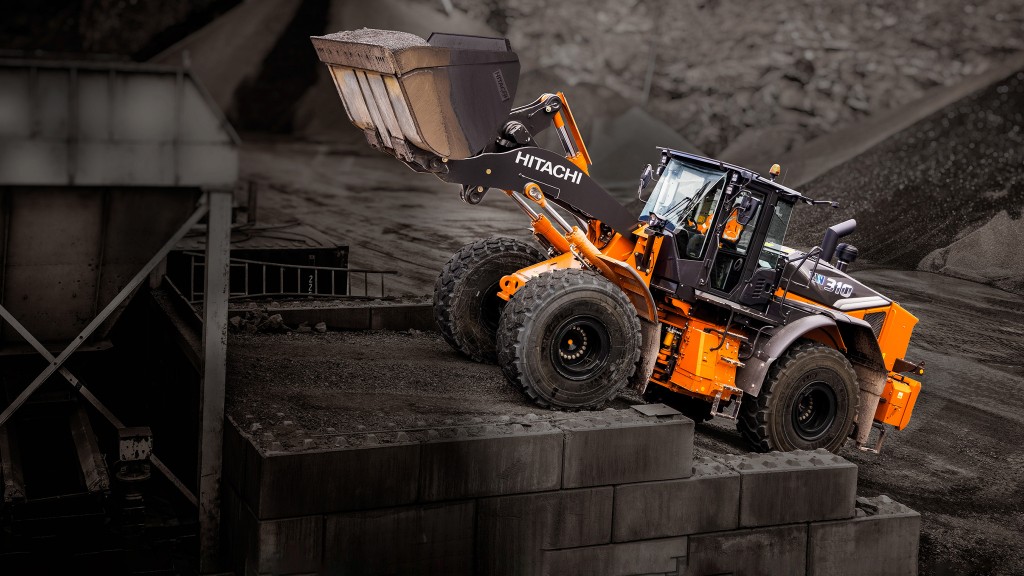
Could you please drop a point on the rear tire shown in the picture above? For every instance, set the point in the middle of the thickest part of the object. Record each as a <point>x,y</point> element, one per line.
<point>569,339</point>
<point>808,401</point>
<point>466,306</point>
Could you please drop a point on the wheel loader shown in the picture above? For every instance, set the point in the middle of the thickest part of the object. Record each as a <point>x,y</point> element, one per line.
<point>694,301</point>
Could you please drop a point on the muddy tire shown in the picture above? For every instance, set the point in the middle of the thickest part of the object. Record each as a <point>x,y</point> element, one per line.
<point>466,306</point>
<point>569,339</point>
<point>808,401</point>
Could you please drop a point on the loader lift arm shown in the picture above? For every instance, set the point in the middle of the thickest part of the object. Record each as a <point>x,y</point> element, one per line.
<point>514,159</point>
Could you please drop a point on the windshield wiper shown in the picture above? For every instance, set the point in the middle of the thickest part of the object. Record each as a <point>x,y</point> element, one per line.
<point>679,208</point>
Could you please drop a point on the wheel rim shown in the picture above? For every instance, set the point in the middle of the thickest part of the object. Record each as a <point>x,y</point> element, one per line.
<point>580,347</point>
<point>814,411</point>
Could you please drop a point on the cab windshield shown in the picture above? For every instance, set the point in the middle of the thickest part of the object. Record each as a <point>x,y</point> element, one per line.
<point>685,195</point>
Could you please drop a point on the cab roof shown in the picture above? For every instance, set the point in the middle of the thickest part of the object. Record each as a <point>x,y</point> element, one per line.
<point>784,191</point>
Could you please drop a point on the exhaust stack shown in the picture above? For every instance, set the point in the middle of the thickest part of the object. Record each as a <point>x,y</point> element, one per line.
<point>446,97</point>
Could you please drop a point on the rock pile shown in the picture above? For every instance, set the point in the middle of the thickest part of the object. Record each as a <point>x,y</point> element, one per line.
<point>254,321</point>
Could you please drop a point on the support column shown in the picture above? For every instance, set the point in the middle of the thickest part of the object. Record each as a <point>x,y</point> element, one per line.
<point>211,395</point>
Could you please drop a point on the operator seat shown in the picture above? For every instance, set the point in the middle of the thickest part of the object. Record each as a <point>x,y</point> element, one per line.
<point>682,239</point>
<point>694,246</point>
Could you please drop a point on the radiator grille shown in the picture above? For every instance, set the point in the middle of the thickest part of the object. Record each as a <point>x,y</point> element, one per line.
<point>876,319</point>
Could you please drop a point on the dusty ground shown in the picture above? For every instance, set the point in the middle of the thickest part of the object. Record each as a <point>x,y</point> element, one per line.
<point>366,382</point>
<point>959,462</point>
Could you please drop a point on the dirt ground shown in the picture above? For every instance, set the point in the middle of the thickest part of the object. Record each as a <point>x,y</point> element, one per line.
<point>959,462</point>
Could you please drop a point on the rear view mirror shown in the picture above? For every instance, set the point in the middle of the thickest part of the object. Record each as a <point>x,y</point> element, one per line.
<point>747,208</point>
<point>645,179</point>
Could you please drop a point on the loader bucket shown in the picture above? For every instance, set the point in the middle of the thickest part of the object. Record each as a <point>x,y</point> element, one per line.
<point>448,96</point>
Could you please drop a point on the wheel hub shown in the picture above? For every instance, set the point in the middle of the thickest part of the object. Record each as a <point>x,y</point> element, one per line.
<point>580,346</point>
<point>814,410</point>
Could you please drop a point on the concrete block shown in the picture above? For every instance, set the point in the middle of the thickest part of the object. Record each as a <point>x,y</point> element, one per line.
<point>626,451</point>
<point>306,483</point>
<point>707,501</point>
<point>234,455</point>
<point>402,317</point>
<point>755,552</point>
<point>340,318</point>
<point>787,487</point>
<point>252,474</point>
<point>288,546</point>
<point>293,545</point>
<point>471,467</point>
<point>647,557</point>
<point>882,543</point>
<point>237,529</point>
<point>426,539</point>
<point>512,531</point>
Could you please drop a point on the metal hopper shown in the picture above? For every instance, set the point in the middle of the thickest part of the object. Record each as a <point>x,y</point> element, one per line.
<point>447,96</point>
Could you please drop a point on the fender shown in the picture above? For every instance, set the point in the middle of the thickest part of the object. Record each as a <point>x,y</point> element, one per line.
<point>634,287</point>
<point>856,336</point>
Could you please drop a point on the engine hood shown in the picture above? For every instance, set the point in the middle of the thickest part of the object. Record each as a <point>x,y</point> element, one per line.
<point>825,284</point>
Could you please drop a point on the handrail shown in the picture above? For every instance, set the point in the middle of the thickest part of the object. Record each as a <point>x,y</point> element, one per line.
<point>815,251</point>
<point>289,285</point>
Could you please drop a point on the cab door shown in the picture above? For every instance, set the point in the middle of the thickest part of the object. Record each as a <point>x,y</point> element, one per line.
<point>738,244</point>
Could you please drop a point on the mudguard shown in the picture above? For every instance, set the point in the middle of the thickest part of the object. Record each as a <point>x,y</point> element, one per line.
<point>634,287</point>
<point>856,337</point>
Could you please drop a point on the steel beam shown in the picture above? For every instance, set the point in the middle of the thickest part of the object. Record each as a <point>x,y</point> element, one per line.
<point>211,394</point>
<point>10,468</point>
<point>125,292</point>
<point>57,363</point>
<point>90,459</point>
<point>92,399</point>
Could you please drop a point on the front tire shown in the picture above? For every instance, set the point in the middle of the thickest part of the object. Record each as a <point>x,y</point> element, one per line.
<point>569,339</point>
<point>808,401</point>
<point>466,304</point>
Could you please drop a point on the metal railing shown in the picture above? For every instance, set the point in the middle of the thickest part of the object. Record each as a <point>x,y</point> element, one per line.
<point>816,252</point>
<point>257,279</point>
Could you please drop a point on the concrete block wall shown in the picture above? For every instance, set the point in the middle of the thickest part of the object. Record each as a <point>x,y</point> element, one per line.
<point>359,316</point>
<point>613,492</point>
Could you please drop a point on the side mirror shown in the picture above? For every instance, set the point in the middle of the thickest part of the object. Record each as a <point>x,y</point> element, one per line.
<point>747,208</point>
<point>645,179</point>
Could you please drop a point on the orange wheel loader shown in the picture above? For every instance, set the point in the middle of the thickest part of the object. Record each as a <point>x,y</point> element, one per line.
<point>694,302</point>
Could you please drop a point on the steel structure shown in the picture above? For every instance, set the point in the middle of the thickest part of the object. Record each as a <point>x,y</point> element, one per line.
<point>104,168</point>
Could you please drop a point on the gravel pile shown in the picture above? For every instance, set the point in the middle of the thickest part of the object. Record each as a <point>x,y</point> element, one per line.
<point>389,39</point>
<point>932,185</point>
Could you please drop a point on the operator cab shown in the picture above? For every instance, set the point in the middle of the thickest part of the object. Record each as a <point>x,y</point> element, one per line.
<point>727,226</point>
